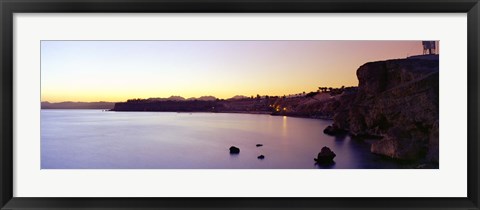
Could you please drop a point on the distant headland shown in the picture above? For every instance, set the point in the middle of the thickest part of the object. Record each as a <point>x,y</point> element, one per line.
<point>78,105</point>
<point>310,104</point>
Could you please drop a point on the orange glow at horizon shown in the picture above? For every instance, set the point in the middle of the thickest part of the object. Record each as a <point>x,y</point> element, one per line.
<point>115,71</point>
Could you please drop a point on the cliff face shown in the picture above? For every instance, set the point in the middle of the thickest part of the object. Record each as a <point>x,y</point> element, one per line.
<point>396,100</point>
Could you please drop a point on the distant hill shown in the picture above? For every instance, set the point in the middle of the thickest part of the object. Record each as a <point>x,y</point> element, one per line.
<point>237,97</point>
<point>180,98</point>
<point>203,98</point>
<point>78,105</point>
<point>207,98</point>
<point>171,98</point>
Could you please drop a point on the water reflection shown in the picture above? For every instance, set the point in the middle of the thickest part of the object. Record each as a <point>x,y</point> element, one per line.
<point>325,165</point>
<point>146,140</point>
<point>284,126</point>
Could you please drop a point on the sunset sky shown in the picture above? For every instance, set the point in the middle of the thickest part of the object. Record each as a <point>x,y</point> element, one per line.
<point>119,70</point>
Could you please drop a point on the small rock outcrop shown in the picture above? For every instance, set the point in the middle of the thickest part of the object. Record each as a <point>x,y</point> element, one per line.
<point>234,150</point>
<point>333,130</point>
<point>261,157</point>
<point>325,156</point>
<point>259,145</point>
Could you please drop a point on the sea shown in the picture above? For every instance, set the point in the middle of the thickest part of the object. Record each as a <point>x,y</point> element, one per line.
<point>100,139</point>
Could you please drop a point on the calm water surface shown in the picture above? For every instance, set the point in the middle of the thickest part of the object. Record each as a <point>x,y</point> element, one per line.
<point>93,139</point>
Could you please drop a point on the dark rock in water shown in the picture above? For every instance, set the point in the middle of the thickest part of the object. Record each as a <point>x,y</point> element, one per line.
<point>234,150</point>
<point>334,131</point>
<point>325,156</point>
<point>259,145</point>
<point>261,157</point>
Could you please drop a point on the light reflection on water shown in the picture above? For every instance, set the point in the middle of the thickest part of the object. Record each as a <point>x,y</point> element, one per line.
<point>167,140</point>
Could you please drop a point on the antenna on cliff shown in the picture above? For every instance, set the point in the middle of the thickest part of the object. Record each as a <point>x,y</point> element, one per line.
<point>429,47</point>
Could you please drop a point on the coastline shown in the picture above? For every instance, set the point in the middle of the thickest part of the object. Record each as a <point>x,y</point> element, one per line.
<point>243,112</point>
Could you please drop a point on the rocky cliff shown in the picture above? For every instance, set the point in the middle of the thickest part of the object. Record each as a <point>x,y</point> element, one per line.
<point>396,100</point>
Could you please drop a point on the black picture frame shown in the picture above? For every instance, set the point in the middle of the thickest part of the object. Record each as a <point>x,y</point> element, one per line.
<point>9,7</point>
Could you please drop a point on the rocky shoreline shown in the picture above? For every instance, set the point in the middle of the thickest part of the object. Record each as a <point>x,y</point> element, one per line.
<point>396,102</point>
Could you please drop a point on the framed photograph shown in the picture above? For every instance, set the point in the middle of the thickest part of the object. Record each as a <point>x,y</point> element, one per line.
<point>239,104</point>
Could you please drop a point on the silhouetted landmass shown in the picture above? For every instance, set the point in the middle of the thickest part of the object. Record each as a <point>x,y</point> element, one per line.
<point>397,100</point>
<point>180,98</point>
<point>238,97</point>
<point>312,105</point>
<point>78,105</point>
